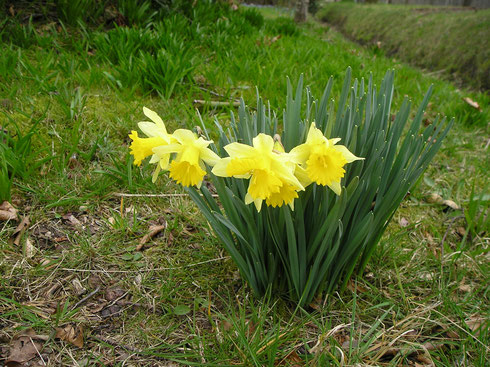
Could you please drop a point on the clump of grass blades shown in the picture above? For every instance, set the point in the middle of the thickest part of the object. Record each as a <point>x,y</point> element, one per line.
<point>136,12</point>
<point>5,177</point>
<point>317,246</point>
<point>17,157</point>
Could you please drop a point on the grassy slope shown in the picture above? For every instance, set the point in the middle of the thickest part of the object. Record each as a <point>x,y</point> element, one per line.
<point>409,299</point>
<point>451,41</point>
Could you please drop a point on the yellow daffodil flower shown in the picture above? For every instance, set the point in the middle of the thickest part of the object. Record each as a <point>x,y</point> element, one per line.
<point>321,160</point>
<point>157,136</point>
<point>270,170</point>
<point>187,168</point>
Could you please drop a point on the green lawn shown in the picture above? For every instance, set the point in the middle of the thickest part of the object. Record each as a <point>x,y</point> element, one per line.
<point>70,97</point>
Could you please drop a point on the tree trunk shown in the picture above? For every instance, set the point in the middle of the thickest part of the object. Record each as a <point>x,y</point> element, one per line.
<point>301,10</point>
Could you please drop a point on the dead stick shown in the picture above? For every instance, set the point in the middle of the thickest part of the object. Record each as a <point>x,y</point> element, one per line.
<point>216,103</point>
<point>217,94</point>
<point>121,194</point>
<point>86,298</point>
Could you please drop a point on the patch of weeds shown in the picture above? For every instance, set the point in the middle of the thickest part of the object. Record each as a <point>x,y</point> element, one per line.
<point>136,12</point>
<point>284,26</point>
<point>126,174</point>
<point>73,11</point>
<point>165,71</point>
<point>40,71</point>
<point>5,176</point>
<point>476,213</point>
<point>18,158</point>
<point>253,16</point>
<point>16,33</point>
<point>72,102</point>
<point>8,64</point>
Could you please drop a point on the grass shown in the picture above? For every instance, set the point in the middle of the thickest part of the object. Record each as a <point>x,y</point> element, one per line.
<point>179,297</point>
<point>435,38</point>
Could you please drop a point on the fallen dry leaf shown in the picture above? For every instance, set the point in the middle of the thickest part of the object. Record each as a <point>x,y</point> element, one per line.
<point>434,198</point>
<point>433,346</point>
<point>291,360</point>
<point>29,249</point>
<point>403,222</point>
<point>352,286</point>
<point>472,103</point>
<point>451,204</point>
<point>78,287</point>
<point>352,343</point>
<point>114,293</point>
<point>226,325</point>
<point>475,323</point>
<point>72,220</point>
<point>71,334</point>
<point>422,358</point>
<point>73,161</point>
<point>154,230</point>
<point>463,287</point>
<point>8,212</point>
<point>19,231</point>
<point>461,231</point>
<point>24,347</point>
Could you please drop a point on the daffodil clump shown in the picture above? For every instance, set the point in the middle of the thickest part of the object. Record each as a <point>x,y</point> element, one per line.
<point>301,204</point>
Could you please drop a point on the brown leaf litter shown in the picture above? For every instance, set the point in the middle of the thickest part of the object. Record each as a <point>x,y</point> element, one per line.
<point>8,212</point>
<point>472,103</point>
<point>25,347</point>
<point>71,334</point>
<point>19,231</point>
<point>153,231</point>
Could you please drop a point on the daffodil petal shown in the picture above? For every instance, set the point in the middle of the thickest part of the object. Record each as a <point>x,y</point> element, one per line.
<point>210,157</point>
<point>335,186</point>
<point>302,176</point>
<point>219,168</point>
<point>167,149</point>
<point>315,136</point>
<point>153,116</point>
<point>258,204</point>
<point>242,166</point>
<point>240,150</point>
<point>184,136</point>
<point>300,153</point>
<point>248,198</point>
<point>150,129</point>
<point>155,173</point>
<point>349,157</point>
<point>263,142</point>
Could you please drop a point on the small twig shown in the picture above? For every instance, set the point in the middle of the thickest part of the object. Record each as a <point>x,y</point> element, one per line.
<point>121,194</point>
<point>143,270</point>
<point>37,351</point>
<point>216,103</point>
<point>86,298</point>
<point>217,94</point>
<point>268,344</point>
